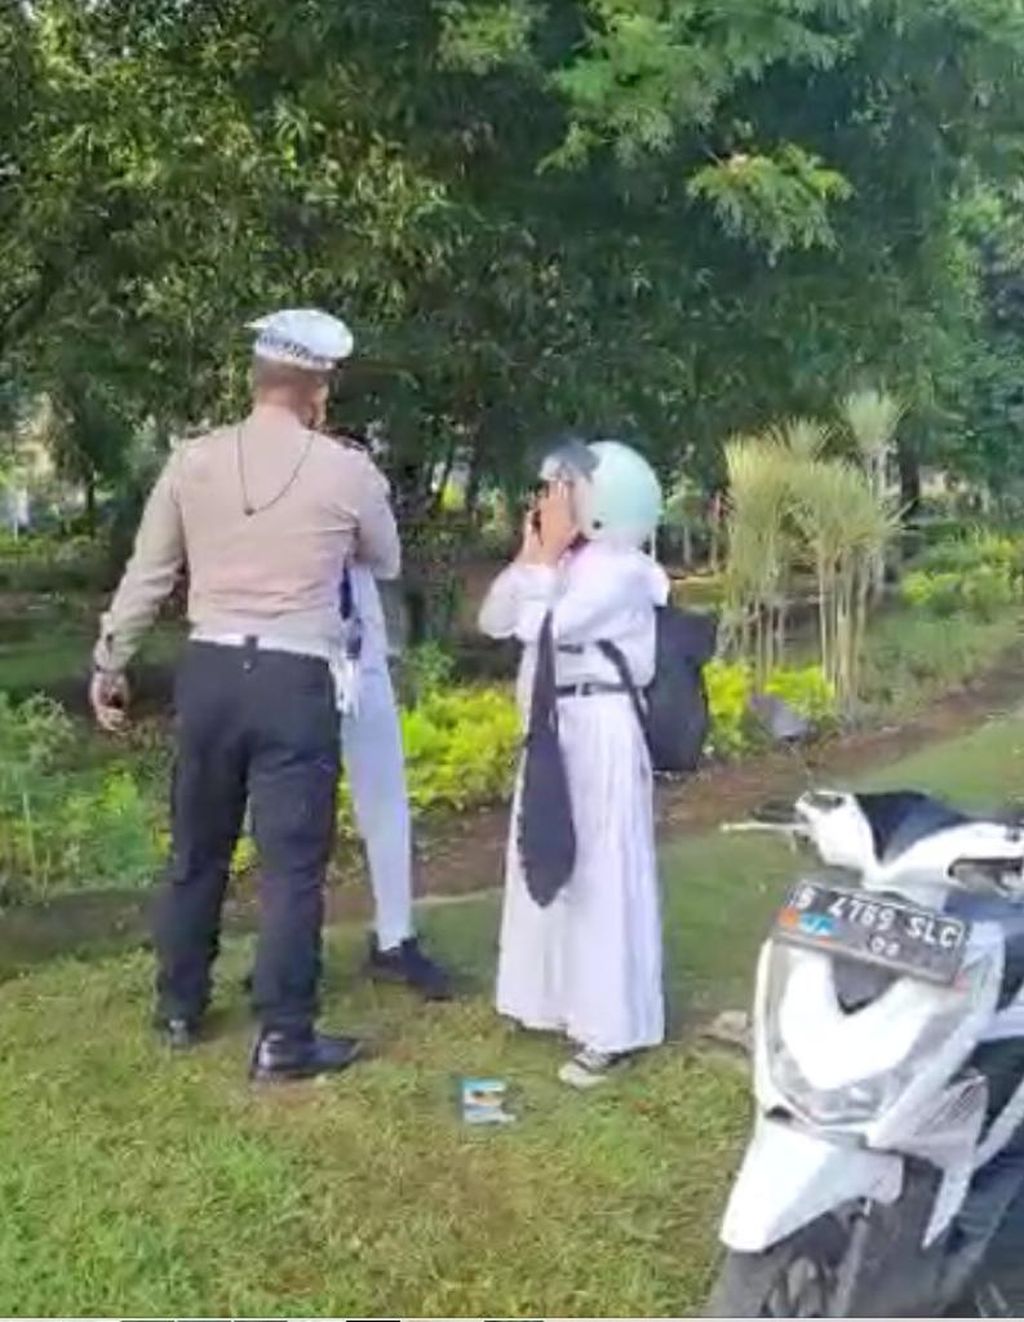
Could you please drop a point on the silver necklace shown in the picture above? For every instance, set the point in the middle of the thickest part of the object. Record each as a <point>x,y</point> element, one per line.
<point>248,508</point>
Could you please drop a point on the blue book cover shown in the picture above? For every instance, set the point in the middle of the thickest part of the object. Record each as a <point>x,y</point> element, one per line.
<point>483,1102</point>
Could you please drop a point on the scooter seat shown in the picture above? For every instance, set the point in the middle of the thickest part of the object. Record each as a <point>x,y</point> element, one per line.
<point>902,818</point>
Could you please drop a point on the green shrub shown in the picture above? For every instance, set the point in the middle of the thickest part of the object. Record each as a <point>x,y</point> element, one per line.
<point>461,748</point>
<point>989,590</point>
<point>65,825</point>
<point>109,835</point>
<point>915,656</point>
<point>983,591</point>
<point>428,668</point>
<point>932,590</point>
<point>33,737</point>
<point>806,690</point>
<point>42,563</point>
<point>981,571</point>
<point>731,687</point>
<point>975,548</point>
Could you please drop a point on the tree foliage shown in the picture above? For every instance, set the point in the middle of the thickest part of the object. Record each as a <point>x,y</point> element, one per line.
<point>672,218</point>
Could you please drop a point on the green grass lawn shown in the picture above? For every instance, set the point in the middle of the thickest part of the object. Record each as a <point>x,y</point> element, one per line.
<point>133,1184</point>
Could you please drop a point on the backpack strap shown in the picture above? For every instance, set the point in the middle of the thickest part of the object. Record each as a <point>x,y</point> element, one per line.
<point>617,657</point>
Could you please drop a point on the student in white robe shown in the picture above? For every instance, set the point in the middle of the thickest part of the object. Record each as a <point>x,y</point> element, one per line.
<point>371,743</point>
<point>371,740</point>
<point>589,964</point>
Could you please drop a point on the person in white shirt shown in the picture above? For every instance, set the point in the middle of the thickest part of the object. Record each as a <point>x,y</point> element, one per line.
<point>374,763</point>
<point>587,962</point>
<point>371,740</point>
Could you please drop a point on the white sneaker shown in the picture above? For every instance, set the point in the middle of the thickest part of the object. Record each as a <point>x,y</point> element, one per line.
<point>587,1069</point>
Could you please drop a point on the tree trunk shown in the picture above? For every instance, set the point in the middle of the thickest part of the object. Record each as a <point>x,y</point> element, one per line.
<point>909,464</point>
<point>90,504</point>
<point>717,525</point>
<point>410,482</point>
<point>474,481</point>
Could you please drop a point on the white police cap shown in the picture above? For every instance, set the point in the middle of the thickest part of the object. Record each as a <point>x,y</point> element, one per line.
<point>302,337</point>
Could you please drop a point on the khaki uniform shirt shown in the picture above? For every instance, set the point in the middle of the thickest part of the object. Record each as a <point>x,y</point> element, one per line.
<point>276,571</point>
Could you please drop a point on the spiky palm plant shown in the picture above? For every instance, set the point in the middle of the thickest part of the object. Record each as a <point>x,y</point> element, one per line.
<point>873,417</point>
<point>805,439</point>
<point>790,505</point>
<point>845,526</point>
<point>682,510</point>
<point>757,572</point>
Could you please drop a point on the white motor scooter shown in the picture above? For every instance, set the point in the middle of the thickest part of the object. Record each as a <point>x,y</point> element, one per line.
<point>888,1066</point>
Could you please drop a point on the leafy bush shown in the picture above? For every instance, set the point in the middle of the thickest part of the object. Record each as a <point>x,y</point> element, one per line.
<point>33,736</point>
<point>39,563</point>
<point>977,548</point>
<point>983,591</point>
<point>426,669</point>
<point>913,657</point>
<point>932,590</point>
<point>65,826</point>
<point>806,690</point>
<point>989,590</point>
<point>109,834</point>
<point>731,687</point>
<point>461,748</point>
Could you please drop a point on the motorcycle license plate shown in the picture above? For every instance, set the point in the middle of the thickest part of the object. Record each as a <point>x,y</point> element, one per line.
<point>917,942</point>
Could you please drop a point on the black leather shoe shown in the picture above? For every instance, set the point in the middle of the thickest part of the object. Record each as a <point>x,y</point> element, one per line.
<point>179,1034</point>
<point>277,1057</point>
<point>408,964</point>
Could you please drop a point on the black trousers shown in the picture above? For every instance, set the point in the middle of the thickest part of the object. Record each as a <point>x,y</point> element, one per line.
<point>262,727</point>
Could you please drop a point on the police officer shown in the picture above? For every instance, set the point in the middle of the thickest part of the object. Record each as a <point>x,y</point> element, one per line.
<point>266,514</point>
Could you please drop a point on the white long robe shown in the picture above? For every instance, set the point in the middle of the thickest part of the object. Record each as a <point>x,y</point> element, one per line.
<point>371,741</point>
<point>590,964</point>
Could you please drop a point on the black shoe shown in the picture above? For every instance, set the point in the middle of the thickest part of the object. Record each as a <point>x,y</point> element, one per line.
<point>180,1034</point>
<point>278,1057</point>
<point>408,964</point>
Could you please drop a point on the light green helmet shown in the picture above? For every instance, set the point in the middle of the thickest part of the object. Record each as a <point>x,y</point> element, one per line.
<point>616,494</point>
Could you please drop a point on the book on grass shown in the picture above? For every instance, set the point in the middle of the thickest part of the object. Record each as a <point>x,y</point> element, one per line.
<point>483,1102</point>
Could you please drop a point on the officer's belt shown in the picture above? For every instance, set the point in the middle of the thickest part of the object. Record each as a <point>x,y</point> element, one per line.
<point>269,642</point>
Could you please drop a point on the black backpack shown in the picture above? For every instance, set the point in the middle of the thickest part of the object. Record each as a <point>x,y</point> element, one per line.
<point>673,710</point>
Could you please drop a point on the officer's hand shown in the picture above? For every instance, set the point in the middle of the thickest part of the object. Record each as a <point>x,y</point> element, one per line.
<point>108,697</point>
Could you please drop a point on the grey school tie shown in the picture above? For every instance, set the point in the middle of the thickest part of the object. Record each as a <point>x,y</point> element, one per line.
<point>546,837</point>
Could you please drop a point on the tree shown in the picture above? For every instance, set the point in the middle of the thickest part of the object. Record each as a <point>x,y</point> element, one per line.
<point>814,154</point>
<point>672,220</point>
